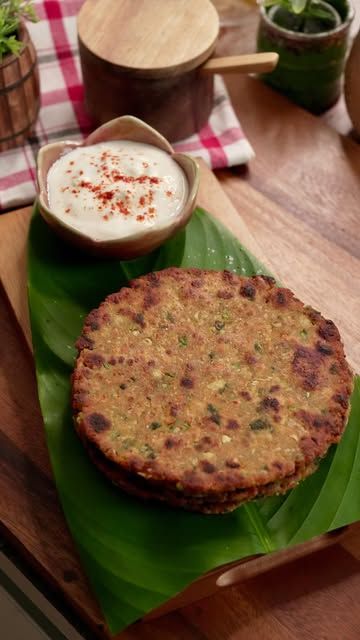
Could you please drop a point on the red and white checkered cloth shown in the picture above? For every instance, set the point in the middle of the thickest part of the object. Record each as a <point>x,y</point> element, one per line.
<point>221,142</point>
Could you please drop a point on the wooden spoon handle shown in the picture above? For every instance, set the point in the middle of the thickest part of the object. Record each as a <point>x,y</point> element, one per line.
<point>250,63</point>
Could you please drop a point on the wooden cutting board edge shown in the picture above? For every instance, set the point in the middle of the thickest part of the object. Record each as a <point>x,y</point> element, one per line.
<point>13,262</point>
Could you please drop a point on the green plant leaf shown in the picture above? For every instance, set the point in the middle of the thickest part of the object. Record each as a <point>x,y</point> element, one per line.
<point>138,555</point>
<point>11,45</point>
<point>11,13</point>
<point>298,6</point>
<point>270,3</point>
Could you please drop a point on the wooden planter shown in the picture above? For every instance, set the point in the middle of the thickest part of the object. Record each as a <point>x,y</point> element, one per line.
<point>19,94</point>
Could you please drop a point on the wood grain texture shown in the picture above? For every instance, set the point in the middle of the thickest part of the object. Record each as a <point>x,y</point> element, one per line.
<point>159,81</point>
<point>303,221</point>
<point>176,106</point>
<point>352,86</point>
<point>31,518</point>
<point>301,164</point>
<point>13,262</point>
<point>250,63</point>
<point>19,94</point>
<point>176,35</point>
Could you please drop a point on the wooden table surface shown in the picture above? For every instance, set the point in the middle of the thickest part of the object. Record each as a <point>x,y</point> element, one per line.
<point>302,194</point>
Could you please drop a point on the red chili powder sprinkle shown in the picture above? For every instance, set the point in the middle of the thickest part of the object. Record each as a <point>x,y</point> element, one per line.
<point>97,190</point>
<point>106,196</point>
<point>116,175</point>
<point>169,193</point>
<point>123,208</point>
<point>71,162</point>
<point>67,210</point>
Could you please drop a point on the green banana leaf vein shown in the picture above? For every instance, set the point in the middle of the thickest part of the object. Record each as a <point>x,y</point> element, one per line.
<point>138,555</point>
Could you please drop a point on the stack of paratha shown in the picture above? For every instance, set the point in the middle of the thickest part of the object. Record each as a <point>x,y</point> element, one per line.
<point>204,389</point>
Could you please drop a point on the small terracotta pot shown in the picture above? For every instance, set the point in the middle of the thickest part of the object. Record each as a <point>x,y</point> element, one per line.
<point>19,93</point>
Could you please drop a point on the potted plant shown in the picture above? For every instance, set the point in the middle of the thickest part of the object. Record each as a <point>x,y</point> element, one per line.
<point>310,37</point>
<point>19,78</point>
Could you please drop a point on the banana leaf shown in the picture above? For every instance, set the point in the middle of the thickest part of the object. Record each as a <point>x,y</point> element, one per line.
<point>137,555</point>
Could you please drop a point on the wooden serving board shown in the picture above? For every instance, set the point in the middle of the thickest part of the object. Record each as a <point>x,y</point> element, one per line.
<point>30,515</point>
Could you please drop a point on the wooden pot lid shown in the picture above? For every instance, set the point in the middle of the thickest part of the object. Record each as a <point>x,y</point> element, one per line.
<point>150,38</point>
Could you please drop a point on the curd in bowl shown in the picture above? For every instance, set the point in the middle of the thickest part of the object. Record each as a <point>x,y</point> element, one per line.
<point>121,193</point>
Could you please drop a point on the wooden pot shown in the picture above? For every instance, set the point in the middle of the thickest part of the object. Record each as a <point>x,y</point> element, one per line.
<point>152,59</point>
<point>144,58</point>
<point>19,94</point>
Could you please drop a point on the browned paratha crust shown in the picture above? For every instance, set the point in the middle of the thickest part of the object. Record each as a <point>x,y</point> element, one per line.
<point>136,485</point>
<point>205,383</point>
